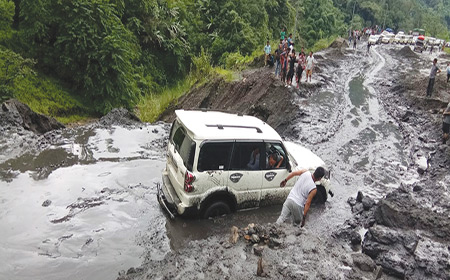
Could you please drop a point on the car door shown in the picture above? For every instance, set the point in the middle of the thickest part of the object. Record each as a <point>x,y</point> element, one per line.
<point>213,166</point>
<point>271,192</point>
<point>246,172</point>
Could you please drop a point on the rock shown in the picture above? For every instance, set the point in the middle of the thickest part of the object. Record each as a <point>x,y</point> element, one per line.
<point>46,203</point>
<point>367,203</point>
<point>258,250</point>
<point>398,210</point>
<point>355,238</point>
<point>417,188</point>
<point>422,164</point>
<point>378,272</point>
<point>234,235</point>
<point>351,201</point>
<point>358,208</point>
<point>131,270</point>
<point>255,238</point>
<point>349,235</point>
<point>363,262</point>
<point>274,242</point>
<point>359,196</point>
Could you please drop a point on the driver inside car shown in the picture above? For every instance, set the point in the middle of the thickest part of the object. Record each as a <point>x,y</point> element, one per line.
<point>274,160</point>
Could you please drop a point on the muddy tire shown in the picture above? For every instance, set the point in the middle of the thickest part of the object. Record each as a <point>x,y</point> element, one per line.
<point>215,209</point>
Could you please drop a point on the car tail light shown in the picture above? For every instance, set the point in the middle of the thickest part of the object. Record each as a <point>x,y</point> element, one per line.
<point>188,179</point>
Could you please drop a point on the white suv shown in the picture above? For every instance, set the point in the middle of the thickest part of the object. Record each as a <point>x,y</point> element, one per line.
<point>220,162</point>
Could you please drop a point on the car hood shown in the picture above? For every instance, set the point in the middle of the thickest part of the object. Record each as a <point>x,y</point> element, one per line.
<point>304,157</point>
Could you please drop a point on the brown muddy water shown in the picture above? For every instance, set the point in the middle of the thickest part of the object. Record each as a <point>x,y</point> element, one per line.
<point>84,206</point>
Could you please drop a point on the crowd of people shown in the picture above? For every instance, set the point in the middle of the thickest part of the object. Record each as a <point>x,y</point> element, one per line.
<point>287,62</point>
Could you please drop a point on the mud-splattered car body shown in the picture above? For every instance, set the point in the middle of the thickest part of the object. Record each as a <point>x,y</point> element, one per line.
<point>218,163</point>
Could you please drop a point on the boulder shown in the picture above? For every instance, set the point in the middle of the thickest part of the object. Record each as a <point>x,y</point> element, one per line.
<point>363,262</point>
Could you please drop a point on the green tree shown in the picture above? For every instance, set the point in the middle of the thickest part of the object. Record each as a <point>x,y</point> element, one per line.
<point>84,43</point>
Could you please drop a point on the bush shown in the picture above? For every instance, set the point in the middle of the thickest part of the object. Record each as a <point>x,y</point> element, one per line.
<point>202,65</point>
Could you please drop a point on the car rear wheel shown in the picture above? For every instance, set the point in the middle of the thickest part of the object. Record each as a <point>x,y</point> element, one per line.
<point>215,209</point>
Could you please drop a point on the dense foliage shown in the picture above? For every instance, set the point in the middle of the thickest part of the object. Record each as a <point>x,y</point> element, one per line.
<point>112,52</point>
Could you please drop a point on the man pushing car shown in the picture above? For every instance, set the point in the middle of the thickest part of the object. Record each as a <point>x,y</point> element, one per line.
<point>301,195</point>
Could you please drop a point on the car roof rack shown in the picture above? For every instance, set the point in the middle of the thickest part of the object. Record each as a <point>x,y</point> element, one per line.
<point>222,126</point>
<point>240,114</point>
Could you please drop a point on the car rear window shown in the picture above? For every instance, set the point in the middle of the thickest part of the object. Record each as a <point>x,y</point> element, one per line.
<point>185,146</point>
<point>214,156</point>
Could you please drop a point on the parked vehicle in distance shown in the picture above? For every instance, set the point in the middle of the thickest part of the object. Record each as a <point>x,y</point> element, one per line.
<point>420,45</point>
<point>219,162</point>
<point>403,39</point>
<point>387,38</point>
<point>397,38</point>
<point>374,39</point>
<point>417,31</point>
<point>409,39</point>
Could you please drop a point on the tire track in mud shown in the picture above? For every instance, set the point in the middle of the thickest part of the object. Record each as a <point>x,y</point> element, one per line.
<point>358,140</point>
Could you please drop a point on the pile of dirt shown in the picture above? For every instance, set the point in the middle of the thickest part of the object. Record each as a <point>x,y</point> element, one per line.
<point>119,116</point>
<point>339,43</point>
<point>16,114</point>
<point>407,52</point>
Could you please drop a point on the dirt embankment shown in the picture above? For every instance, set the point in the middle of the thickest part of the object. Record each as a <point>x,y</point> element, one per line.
<point>258,93</point>
<point>14,114</point>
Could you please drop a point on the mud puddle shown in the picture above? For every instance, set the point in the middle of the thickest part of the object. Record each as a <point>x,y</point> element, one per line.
<point>83,204</point>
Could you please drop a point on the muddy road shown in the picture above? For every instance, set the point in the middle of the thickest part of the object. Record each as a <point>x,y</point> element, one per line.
<point>80,203</point>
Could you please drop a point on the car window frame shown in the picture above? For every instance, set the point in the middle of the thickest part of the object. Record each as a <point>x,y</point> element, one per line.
<point>285,158</point>
<point>249,141</point>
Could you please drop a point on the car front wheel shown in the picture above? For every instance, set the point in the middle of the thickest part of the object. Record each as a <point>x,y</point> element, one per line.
<point>215,209</point>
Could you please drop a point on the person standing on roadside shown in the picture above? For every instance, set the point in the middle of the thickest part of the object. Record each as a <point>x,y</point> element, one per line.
<point>267,51</point>
<point>277,63</point>
<point>446,124</point>
<point>283,33</point>
<point>284,58</point>
<point>448,72</point>
<point>292,60</point>
<point>434,70</point>
<point>300,66</point>
<point>309,66</point>
<point>301,195</point>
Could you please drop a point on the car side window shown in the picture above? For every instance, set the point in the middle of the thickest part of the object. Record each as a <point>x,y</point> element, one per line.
<point>276,157</point>
<point>178,137</point>
<point>247,156</point>
<point>214,156</point>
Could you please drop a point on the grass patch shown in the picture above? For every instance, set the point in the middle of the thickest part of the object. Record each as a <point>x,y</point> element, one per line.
<point>323,44</point>
<point>43,95</point>
<point>152,105</point>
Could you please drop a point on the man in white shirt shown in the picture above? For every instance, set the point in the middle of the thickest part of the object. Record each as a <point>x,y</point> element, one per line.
<point>299,199</point>
<point>309,66</point>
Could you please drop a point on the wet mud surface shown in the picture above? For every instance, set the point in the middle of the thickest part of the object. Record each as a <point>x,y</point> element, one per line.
<point>81,202</point>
